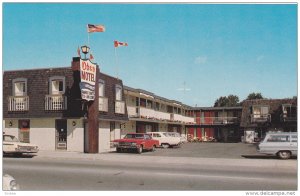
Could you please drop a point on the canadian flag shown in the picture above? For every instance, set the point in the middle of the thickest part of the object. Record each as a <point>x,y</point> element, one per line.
<point>117,44</point>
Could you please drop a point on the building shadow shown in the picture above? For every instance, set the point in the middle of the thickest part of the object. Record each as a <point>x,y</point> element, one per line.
<point>19,155</point>
<point>258,156</point>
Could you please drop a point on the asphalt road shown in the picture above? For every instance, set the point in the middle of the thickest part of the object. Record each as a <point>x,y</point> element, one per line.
<point>134,172</point>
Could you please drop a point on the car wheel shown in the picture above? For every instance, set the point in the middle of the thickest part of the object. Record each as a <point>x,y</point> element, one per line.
<point>153,148</point>
<point>284,154</point>
<point>165,145</point>
<point>140,149</point>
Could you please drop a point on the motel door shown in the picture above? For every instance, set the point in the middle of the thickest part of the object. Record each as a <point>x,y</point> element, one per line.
<point>61,134</point>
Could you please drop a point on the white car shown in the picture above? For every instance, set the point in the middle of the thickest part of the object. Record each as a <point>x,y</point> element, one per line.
<point>11,145</point>
<point>282,144</point>
<point>175,134</point>
<point>9,183</point>
<point>165,139</point>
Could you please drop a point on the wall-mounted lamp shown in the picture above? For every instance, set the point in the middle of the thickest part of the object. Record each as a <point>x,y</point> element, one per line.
<point>74,123</point>
<point>10,123</point>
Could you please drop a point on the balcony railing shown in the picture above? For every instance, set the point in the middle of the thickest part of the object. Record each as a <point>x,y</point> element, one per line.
<point>18,103</point>
<point>148,113</point>
<point>103,104</point>
<point>260,118</point>
<point>55,102</point>
<point>120,107</point>
<point>217,120</point>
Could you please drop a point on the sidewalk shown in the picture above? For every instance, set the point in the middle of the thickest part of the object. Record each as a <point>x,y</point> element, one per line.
<point>139,158</point>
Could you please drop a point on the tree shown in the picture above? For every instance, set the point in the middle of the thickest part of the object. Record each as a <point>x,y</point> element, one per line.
<point>229,101</point>
<point>254,96</point>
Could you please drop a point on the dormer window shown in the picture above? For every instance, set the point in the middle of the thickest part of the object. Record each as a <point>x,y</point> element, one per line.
<point>20,87</point>
<point>260,113</point>
<point>57,85</point>
<point>101,88</point>
<point>118,93</point>
<point>289,113</point>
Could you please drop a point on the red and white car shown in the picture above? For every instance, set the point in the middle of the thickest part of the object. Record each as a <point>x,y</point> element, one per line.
<point>136,141</point>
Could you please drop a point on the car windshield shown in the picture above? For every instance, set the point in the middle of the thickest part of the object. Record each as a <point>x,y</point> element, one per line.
<point>10,138</point>
<point>135,136</point>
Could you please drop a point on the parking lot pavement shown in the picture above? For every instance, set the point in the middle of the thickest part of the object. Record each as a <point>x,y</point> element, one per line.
<point>209,150</point>
<point>187,150</point>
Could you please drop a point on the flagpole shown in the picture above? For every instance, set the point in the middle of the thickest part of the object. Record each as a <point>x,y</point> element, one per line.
<point>116,58</point>
<point>89,40</point>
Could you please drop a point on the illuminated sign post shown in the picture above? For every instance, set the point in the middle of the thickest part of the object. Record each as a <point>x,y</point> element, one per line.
<point>88,79</point>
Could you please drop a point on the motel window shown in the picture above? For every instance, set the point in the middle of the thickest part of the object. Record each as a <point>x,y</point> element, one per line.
<point>260,111</point>
<point>101,88</point>
<point>57,85</point>
<point>156,106</point>
<point>169,109</point>
<point>149,104</point>
<point>20,87</point>
<point>118,93</point>
<point>143,102</point>
<point>289,110</point>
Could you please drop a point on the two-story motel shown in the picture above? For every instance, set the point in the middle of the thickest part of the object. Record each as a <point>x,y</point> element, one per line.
<point>43,106</point>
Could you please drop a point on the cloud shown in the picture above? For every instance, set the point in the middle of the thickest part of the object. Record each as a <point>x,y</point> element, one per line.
<point>200,60</point>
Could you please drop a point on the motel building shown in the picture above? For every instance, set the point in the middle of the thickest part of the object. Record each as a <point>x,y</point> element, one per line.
<point>45,107</point>
<point>148,112</point>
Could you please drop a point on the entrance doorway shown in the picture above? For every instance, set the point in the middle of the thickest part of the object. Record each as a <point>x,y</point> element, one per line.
<point>61,134</point>
<point>24,131</point>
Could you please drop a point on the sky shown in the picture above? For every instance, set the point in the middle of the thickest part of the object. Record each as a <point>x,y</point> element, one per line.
<point>211,50</point>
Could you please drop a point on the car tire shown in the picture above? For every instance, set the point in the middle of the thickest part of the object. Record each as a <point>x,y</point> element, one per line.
<point>140,149</point>
<point>165,145</point>
<point>284,154</point>
<point>153,148</point>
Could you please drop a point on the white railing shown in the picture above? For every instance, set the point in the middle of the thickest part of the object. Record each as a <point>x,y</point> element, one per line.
<point>55,102</point>
<point>216,120</point>
<point>103,104</point>
<point>120,107</point>
<point>18,103</point>
<point>162,115</point>
<point>148,113</point>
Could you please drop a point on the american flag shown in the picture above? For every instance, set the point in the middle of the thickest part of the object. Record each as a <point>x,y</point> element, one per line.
<point>95,28</point>
<point>117,44</point>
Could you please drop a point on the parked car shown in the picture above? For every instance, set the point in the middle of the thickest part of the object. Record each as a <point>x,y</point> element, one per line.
<point>9,183</point>
<point>166,139</point>
<point>11,145</point>
<point>136,141</point>
<point>281,144</point>
<point>182,137</point>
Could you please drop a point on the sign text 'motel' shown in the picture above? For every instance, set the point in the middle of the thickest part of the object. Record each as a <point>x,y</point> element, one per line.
<point>87,79</point>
